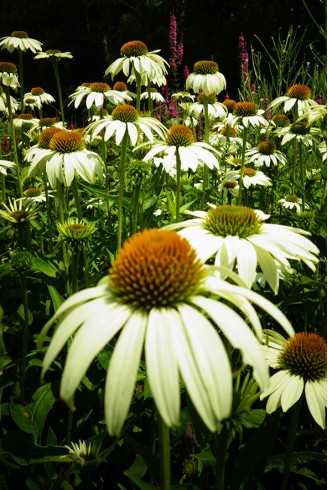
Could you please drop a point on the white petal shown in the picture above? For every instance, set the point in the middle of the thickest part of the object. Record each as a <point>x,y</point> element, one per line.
<point>269,268</point>
<point>211,359</point>
<point>292,392</point>
<point>316,397</point>
<point>190,373</point>
<point>133,133</point>
<point>92,336</point>
<point>66,328</point>
<point>239,335</point>
<point>162,367</point>
<point>246,262</point>
<point>122,372</point>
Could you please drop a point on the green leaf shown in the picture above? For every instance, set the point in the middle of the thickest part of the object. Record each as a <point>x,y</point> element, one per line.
<point>22,416</point>
<point>146,454</point>
<point>40,265</point>
<point>44,399</point>
<point>205,456</point>
<point>24,452</point>
<point>136,471</point>
<point>21,313</point>
<point>56,298</point>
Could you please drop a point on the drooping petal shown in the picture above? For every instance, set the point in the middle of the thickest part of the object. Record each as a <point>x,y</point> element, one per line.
<point>246,262</point>
<point>162,367</point>
<point>239,335</point>
<point>269,268</point>
<point>66,328</point>
<point>190,373</point>
<point>122,372</point>
<point>133,133</point>
<point>265,304</point>
<point>211,359</point>
<point>316,397</point>
<point>92,336</point>
<point>292,392</point>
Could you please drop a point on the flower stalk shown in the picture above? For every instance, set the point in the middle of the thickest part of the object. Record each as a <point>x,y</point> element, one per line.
<point>292,433</point>
<point>242,167</point>
<point>164,454</point>
<point>124,144</point>
<point>13,141</point>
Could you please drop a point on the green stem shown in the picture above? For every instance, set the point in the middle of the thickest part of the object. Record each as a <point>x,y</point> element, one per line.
<point>86,267</point>
<point>135,211</point>
<point>60,201</point>
<point>75,268</point>
<point>60,97</point>
<point>49,217</point>
<point>121,190</point>
<point>221,456</point>
<point>206,139</point>
<point>138,89</point>
<point>77,199</point>
<point>293,423</point>
<point>150,100</point>
<point>13,140</point>
<point>294,167</point>
<point>3,188</point>
<point>302,174</point>
<point>164,454</point>
<point>21,78</point>
<point>25,337</point>
<point>178,193</point>
<point>241,177</point>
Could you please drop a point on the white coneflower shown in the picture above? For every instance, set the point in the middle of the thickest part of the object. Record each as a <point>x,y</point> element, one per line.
<point>238,236</point>
<point>301,362</point>
<point>206,78</point>
<point>156,299</point>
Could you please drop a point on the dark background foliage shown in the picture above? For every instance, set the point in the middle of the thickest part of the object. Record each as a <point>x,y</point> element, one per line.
<point>94,30</point>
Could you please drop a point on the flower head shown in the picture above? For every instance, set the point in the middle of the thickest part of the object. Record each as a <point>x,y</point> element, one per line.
<point>248,113</point>
<point>215,108</point>
<point>35,194</point>
<point>20,40</point>
<point>75,230</point>
<point>180,141</point>
<point>135,56</point>
<point>206,78</point>
<point>83,453</point>
<point>8,74</point>
<point>251,177</point>
<point>298,96</point>
<point>62,154</point>
<point>126,119</point>
<point>266,153</point>
<point>40,97</point>
<point>153,94</point>
<point>292,202</point>
<point>230,105</point>
<point>239,237</point>
<point>3,102</point>
<point>156,296</point>
<point>300,130</point>
<point>18,212</point>
<point>53,55</point>
<point>281,120</point>
<point>97,93</point>
<point>25,122</point>
<point>302,364</point>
